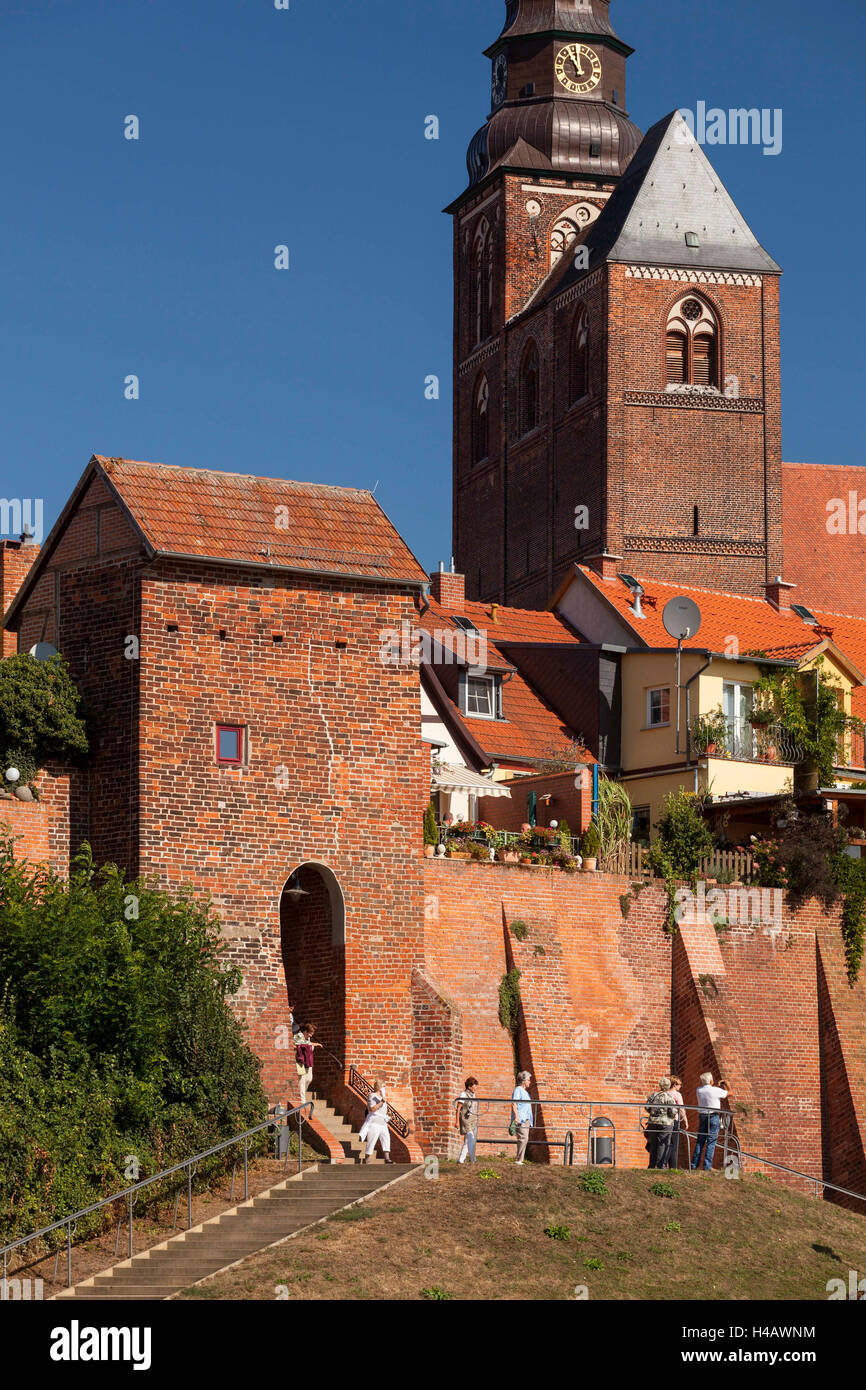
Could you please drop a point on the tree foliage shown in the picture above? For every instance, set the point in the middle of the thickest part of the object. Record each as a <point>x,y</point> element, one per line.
<point>40,714</point>
<point>116,1037</point>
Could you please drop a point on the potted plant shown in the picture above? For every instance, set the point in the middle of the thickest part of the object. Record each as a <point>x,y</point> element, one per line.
<point>710,732</point>
<point>431,831</point>
<point>589,848</point>
<point>761,716</point>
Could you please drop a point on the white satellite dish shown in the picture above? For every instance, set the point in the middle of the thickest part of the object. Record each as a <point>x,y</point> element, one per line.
<point>682,618</point>
<point>43,651</point>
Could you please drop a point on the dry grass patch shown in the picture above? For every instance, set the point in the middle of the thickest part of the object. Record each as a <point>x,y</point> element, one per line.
<point>469,1239</point>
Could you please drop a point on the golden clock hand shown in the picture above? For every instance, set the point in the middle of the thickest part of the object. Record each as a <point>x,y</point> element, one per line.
<point>578,64</point>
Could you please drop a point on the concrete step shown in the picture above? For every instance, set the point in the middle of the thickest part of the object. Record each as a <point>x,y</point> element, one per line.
<point>272,1217</point>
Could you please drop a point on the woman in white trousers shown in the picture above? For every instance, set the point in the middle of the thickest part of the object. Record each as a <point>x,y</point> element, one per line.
<point>375,1128</point>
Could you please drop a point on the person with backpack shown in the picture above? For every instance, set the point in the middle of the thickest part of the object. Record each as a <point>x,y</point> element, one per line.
<point>662,1111</point>
<point>467,1119</point>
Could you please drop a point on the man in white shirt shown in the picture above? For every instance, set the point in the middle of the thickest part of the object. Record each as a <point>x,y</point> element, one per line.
<point>710,1099</point>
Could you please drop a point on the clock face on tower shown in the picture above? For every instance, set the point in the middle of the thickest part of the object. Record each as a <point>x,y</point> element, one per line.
<point>500,79</point>
<point>578,67</point>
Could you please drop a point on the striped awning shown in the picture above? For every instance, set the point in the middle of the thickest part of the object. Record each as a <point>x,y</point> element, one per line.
<point>448,778</point>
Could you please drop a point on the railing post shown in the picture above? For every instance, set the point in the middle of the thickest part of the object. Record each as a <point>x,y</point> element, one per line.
<point>69,1255</point>
<point>246,1172</point>
<point>300,1137</point>
<point>130,1224</point>
<point>189,1197</point>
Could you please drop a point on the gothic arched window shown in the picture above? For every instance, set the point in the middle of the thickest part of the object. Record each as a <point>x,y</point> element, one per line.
<point>579,385</point>
<point>692,344</point>
<point>529,397</point>
<point>481,421</point>
<point>483,272</point>
<point>570,225</point>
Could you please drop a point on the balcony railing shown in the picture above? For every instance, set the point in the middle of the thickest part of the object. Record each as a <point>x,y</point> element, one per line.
<point>742,741</point>
<point>852,750</point>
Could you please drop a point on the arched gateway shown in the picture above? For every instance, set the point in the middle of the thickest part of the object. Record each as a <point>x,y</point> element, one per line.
<point>313,944</point>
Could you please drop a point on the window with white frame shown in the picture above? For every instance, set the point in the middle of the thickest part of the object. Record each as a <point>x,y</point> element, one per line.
<point>658,707</point>
<point>482,697</point>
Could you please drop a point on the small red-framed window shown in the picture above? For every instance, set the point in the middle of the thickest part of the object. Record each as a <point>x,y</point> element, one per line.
<point>230,744</point>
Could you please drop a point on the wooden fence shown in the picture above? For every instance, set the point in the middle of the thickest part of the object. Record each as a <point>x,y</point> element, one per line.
<point>630,860</point>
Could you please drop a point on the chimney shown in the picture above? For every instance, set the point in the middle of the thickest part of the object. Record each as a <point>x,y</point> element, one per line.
<point>494,612</point>
<point>604,564</point>
<point>16,560</point>
<point>778,593</point>
<point>449,589</point>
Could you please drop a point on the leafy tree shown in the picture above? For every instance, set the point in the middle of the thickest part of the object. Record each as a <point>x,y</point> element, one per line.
<point>116,1036</point>
<point>684,837</point>
<point>40,714</point>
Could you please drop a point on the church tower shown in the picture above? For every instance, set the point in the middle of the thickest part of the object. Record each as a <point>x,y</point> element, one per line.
<point>616,335</point>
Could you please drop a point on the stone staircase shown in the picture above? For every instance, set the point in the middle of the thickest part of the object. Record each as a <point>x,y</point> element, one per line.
<point>263,1221</point>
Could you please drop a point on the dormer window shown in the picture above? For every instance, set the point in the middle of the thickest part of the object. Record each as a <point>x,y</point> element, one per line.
<point>482,697</point>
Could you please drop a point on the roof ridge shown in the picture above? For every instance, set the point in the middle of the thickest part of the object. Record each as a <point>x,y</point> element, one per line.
<point>228,473</point>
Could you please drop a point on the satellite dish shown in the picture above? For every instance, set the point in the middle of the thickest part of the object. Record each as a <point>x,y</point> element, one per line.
<point>43,651</point>
<point>682,618</point>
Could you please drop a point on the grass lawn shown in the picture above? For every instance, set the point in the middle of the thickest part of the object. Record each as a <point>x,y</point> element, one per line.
<point>479,1232</point>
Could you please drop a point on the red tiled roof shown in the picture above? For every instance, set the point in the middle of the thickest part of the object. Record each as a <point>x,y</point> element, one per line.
<point>754,622</point>
<point>530,728</point>
<point>206,514</point>
<point>829,568</point>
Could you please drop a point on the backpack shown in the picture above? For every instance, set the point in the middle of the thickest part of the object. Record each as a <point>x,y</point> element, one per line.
<point>662,1111</point>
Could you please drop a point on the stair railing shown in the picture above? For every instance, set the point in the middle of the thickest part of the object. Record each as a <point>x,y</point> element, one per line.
<point>278,1115</point>
<point>363,1088</point>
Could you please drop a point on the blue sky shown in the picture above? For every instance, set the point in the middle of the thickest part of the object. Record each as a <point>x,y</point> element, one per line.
<point>306,128</point>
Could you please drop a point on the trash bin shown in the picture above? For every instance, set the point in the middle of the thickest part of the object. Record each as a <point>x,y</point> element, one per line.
<point>602,1142</point>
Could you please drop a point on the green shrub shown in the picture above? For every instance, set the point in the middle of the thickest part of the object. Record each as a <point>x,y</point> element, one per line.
<point>435,1294</point>
<point>593,1263</point>
<point>431,829</point>
<point>40,715</point>
<point>116,1039</point>
<point>519,930</point>
<point>589,846</point>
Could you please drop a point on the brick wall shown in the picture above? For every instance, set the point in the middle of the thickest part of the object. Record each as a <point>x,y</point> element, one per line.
<point>568,802</point>
<point>336,775</point>
<point>40,828</point>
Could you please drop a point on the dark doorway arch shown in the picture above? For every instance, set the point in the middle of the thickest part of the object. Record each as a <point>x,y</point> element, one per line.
<point>313,943</point>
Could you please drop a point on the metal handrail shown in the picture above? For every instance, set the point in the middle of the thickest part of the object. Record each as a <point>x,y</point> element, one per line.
<point>727,1116</point>
<point>190,1164</point>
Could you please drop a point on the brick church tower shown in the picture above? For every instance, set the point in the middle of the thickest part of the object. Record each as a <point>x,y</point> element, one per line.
<point>616,336</point>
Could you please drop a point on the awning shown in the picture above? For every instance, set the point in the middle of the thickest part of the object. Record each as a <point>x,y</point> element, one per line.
<point>448,778</point>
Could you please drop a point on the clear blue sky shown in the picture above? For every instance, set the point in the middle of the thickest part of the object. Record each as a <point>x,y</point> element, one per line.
<point>306,127</point>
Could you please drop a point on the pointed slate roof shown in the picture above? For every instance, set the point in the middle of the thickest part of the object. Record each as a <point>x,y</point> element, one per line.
<point>668,189</point>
